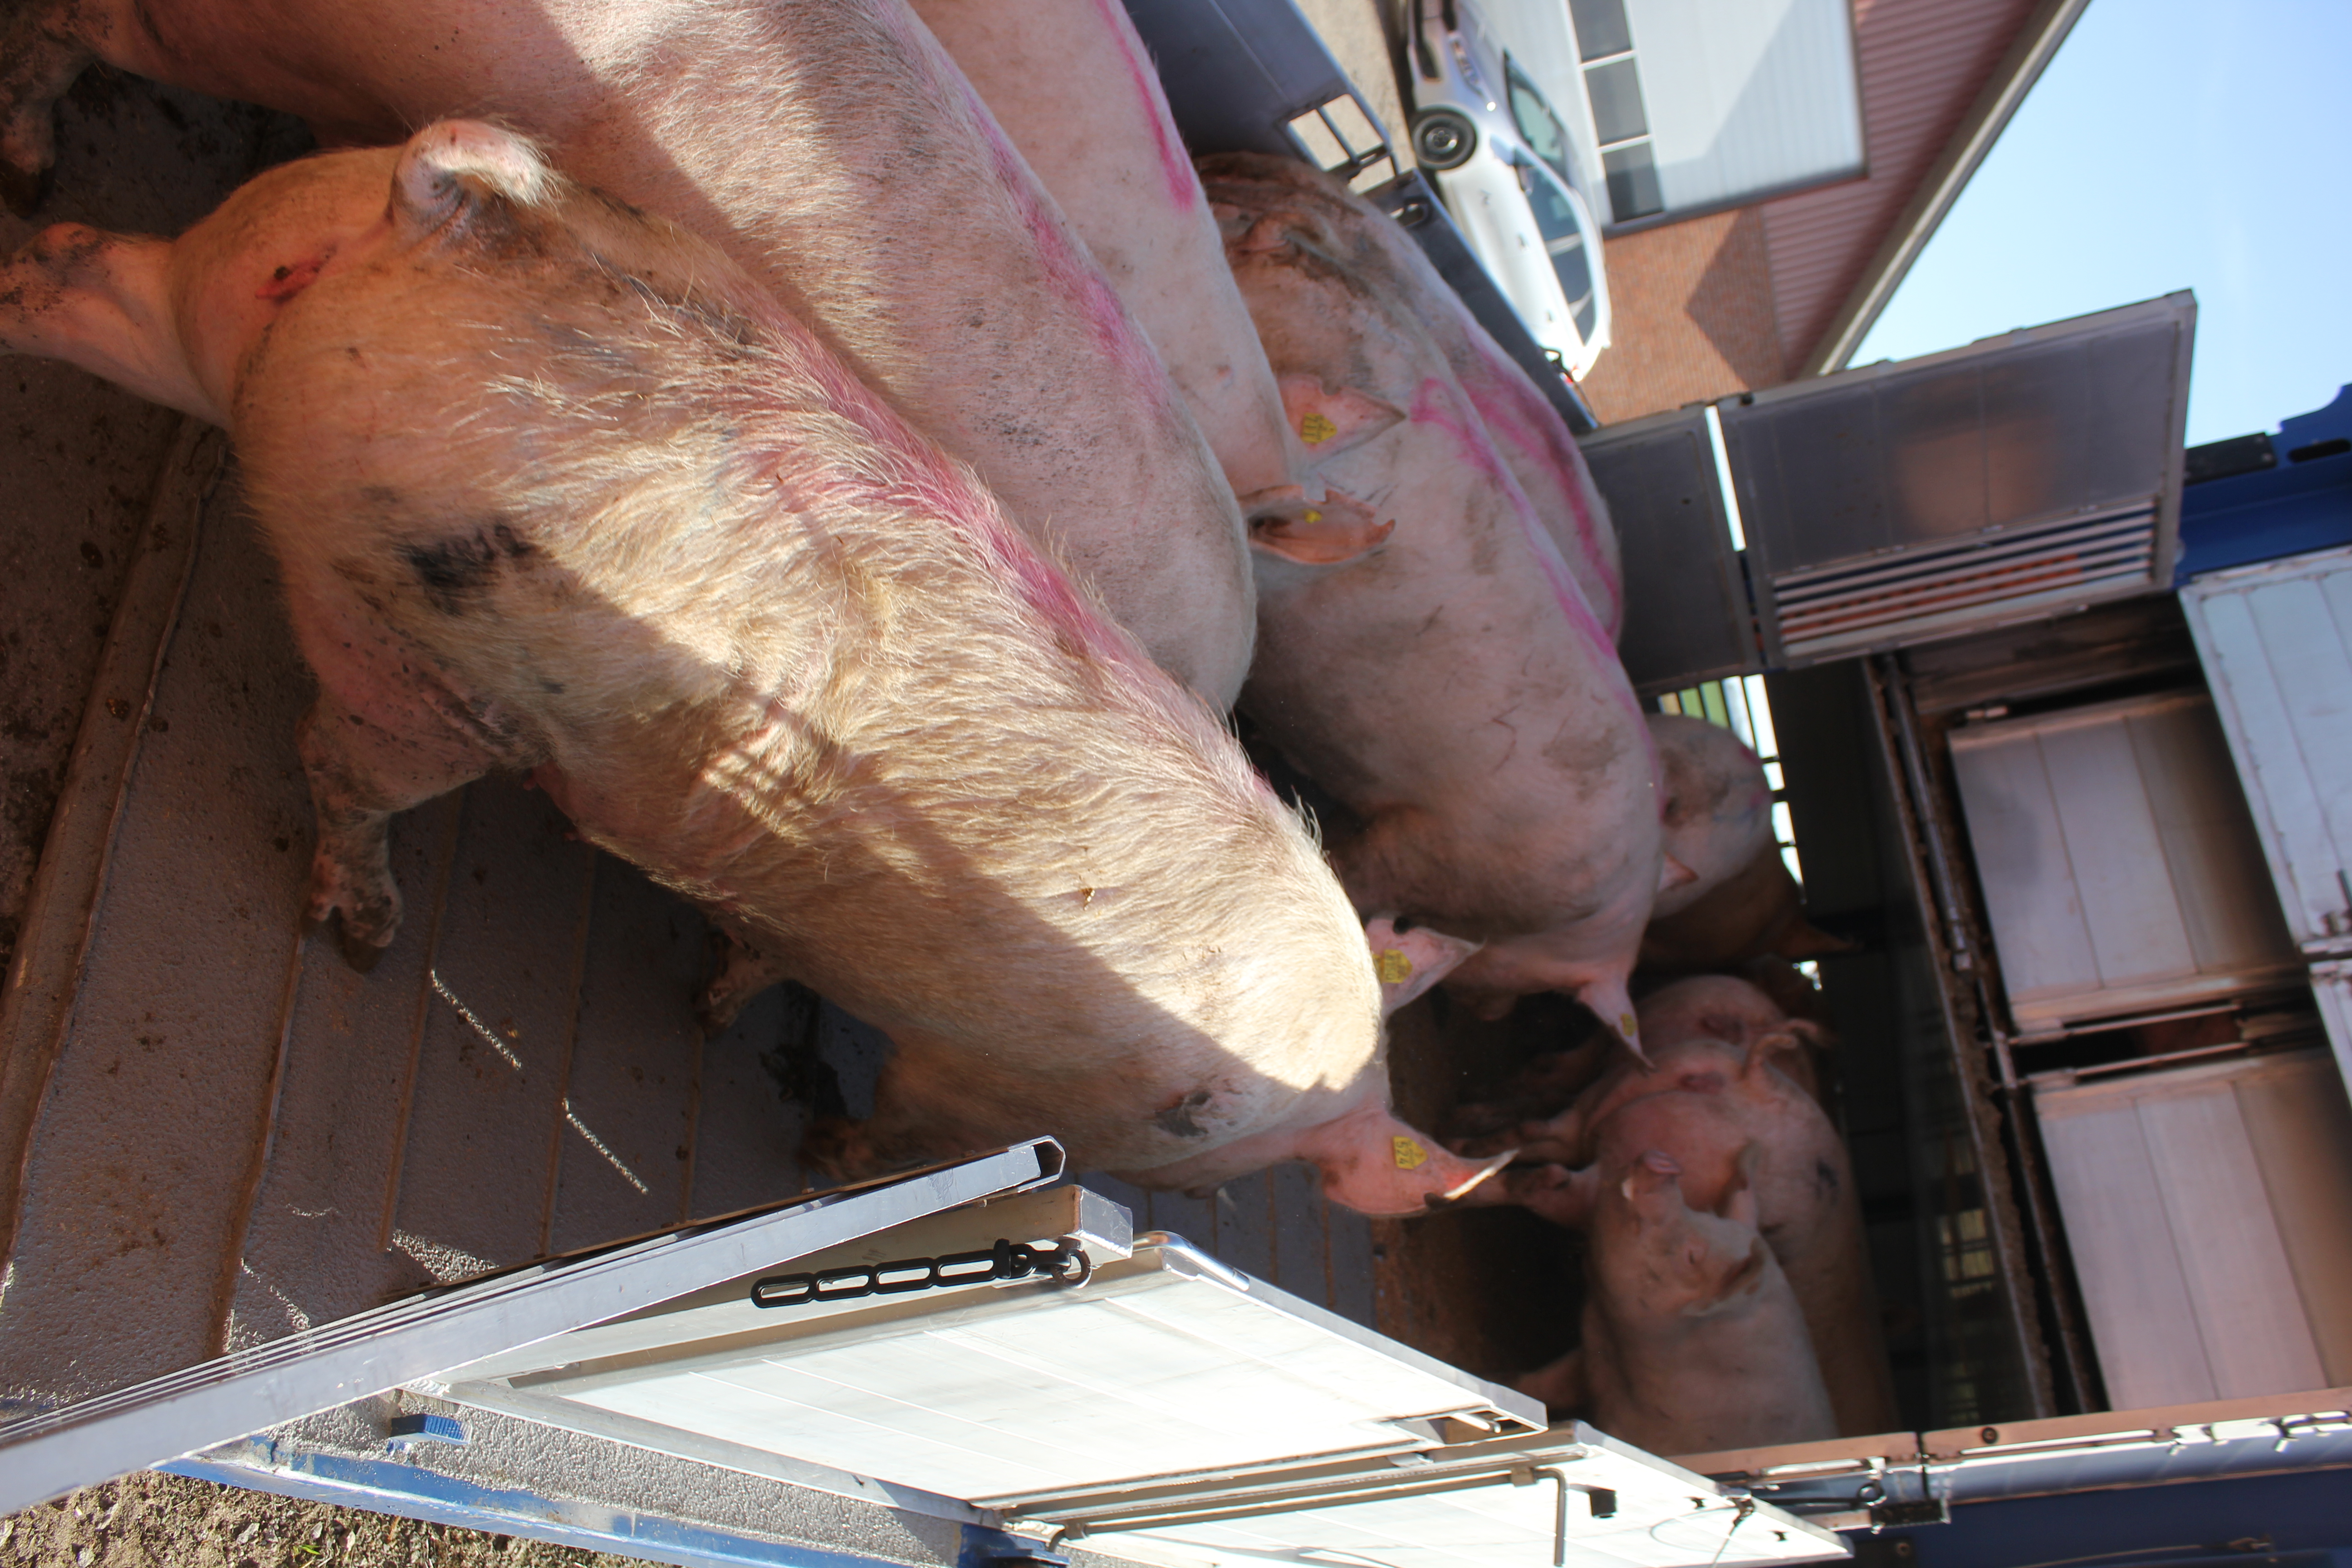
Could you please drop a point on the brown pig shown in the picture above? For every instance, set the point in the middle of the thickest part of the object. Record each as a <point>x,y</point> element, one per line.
<point>555,488</point>
<point>832,149</point>
<point>1757,911</point>
<point>1693,1342</point>
<point>1425,654</point>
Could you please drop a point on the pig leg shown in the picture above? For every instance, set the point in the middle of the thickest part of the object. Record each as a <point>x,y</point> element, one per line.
<point>744,970</point>
<point>102,302</point>
<point>40,58</point>
<point>361,772</point>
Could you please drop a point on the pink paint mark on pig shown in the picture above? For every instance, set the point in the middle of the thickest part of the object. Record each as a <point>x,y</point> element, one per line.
<point>1436,403</point>
<point>1183,186</point>
<point>1510,407</point>
<point>1068,268</point>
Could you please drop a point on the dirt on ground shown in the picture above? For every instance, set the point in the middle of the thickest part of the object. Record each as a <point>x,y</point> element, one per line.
<point>155,1520</point>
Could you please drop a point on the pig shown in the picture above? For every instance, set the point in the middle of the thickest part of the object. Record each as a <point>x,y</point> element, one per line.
<point>1712,1007</point>
<point>1425,654</point>
<point>1739,1013</point>
<point>1693,1342</point>
<point>1110,156</point>
<point>828,146</point>
<point>555,488</point>
<point>1735,1123</point>
<point>1757,911</point>
<point>1715,810</point>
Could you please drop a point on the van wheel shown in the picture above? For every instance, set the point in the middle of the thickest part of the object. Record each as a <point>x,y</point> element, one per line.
<point>1442,138</point>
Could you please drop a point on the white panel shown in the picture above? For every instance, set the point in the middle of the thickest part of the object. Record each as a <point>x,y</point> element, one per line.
<point>2301,1123</point>
<point>2020,860</point>
<point>2120,876</point>
<point>2248,1311</point>
<point>2274,646</point>
<point>1746,96</point>
<point>2142,1317</point>
<point>2119,867</point>
<point>2209,844</point>
<point>980,1394</point>
<point>2331,987</point>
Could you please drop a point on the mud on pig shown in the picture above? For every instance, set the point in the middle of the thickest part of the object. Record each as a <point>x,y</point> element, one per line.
<point>555,488</point>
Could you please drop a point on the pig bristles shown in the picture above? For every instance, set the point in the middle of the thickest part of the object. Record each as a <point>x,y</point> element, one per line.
<point>903,737</point>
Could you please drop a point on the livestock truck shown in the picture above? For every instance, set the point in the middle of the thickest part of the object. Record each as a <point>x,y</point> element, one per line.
<point>489,1235</point>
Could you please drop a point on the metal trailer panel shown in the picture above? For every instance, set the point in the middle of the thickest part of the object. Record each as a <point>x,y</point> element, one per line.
<point>2209,1212</point>
<point>1898,1477</point>
<point>301,1375</point>
<point>2276,644</point>
<point>2012,479</point>
<point>1666,497</point>
<point>1161,1364</point>
<point>2118,861</point>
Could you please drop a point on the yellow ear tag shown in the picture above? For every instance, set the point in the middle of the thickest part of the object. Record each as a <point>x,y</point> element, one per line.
<point>1409,1154</point>
<point>1316,429</point>
<point>1313,516</point>
<point>1393,966</point>
<point>1626,1026</point>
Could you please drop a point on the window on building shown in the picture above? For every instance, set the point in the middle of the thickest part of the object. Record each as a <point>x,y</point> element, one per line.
<point>1601,29</point>
<point>1621,124</point>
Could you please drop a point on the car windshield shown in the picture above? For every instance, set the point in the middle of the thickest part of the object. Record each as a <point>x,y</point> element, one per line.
<point>1564,239</point>
<point>1539,128</point>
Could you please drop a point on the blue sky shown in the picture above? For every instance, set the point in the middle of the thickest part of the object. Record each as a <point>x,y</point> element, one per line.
<point>2170,146</point>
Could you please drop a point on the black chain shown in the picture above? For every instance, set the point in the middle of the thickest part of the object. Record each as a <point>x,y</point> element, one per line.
<point>1065,1260</point>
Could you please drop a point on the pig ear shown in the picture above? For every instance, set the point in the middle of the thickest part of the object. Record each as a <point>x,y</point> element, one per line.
<point>1327,532</point>
<point>1410,962</point>
<point>1653,1185</point>
<point>1673,873</point>
<point>1331,422</point>
<point>103,301</point>
<point>1769,1048</point>
<point>448,165</point>
<point>1375,1165</point>
<point>1609,1002</point>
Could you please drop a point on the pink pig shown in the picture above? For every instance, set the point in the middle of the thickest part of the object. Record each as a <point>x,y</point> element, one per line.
<point>1424,653</point>
<point>832,149</point>
<point>1717,807</point>
<point>1731,1119</point>
<point>1692,1339</point>
<point>654,545</point>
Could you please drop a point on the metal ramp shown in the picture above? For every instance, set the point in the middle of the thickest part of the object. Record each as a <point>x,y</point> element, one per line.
<point>952,1348</point>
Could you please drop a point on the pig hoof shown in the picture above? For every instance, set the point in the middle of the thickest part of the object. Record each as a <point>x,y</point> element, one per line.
<point>359,954</point>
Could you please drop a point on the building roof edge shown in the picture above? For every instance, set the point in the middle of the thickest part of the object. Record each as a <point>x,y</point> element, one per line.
<point>2035,45</point>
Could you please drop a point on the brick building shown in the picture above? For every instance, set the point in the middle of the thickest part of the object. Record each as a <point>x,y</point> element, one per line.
<point>1754,295</point>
